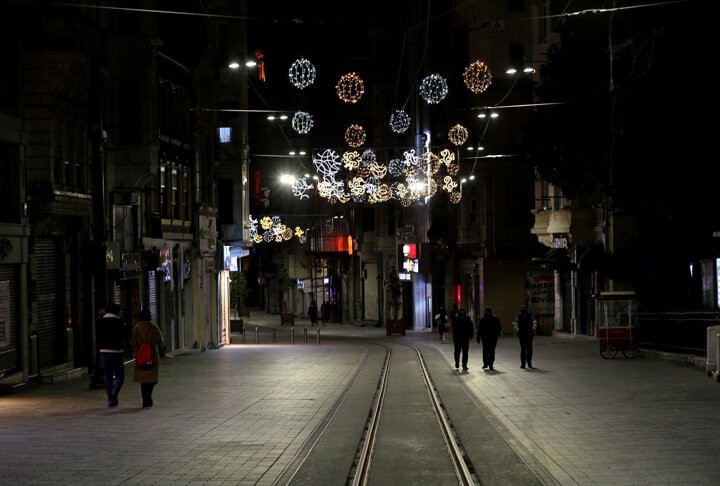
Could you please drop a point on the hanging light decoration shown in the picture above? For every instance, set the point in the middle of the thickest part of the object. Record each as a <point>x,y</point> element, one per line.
<point>327,163</point>
<point>355,135</point>
<point>477,77</point>
<point>302,122</point>
<point>458,134</point>
<point>433,89</point>
<point>273,230</point>
<point>399,121</point>
<point>351,160</point>
<point>350,88</point>
<point>300,188</point>
<point>302,73</point>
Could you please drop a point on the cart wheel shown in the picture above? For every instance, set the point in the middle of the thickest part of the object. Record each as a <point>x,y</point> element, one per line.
<point>631,351</point>
<point>609,351</point>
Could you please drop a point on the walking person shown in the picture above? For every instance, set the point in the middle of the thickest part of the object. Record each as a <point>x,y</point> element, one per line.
<point>112,338</point>
<point>313,313</point>
<point>462,334</point>
<point>525,325</point>
<point>441,319</point>
<point>147,331</point>
<point>488,331</point>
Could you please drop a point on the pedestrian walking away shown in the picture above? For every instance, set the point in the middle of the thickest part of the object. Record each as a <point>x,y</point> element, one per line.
<point>147,331</point>
<point>488,331</point>
<point>113,335</point>
<point>524,326</point>
<point>313,313</point>
<point>462,334</point>
<point>441,320</point>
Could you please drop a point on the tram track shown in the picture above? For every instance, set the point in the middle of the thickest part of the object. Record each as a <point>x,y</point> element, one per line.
<point>402,419</point>
<point>362,470</point>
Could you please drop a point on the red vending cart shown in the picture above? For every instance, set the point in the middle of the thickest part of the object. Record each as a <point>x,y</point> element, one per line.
<point>617,319</point>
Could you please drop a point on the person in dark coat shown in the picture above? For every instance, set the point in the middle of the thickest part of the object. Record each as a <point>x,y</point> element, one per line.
<point>462,334</point>
<point>147,331</point>
<point>488,331</point>
<point>525,325</point>
<point>313,313</point>
<point>112,337</point>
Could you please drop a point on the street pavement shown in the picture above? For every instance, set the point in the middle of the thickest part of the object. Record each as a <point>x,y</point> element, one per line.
<point>245,413</point>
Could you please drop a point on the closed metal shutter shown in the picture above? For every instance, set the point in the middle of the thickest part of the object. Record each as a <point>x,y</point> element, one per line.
<point>152,296</point>
<point>50,340</point>
<point>8,319</point>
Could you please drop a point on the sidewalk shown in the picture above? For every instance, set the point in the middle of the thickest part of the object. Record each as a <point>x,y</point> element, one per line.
<point>242,413</point>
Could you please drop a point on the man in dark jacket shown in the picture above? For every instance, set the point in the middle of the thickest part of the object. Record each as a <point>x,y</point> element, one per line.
<point>489,329</point>
<point>462,334</point>
<point>524,325</point>
<point>113,336</point>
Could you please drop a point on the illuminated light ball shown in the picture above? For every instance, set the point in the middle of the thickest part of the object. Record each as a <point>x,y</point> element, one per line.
<point>350,88</point>
<point>477,77</point>
<point>302,122</point>
<point>396,167</point>
<point>355,135</point>
<point>302,73</point>
<point>458,134</point>
<point>455,197</point>
<point>399,121</point>
<point>433,89</point>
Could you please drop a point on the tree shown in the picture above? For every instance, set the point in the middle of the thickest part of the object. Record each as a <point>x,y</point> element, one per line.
<point>239,289</point>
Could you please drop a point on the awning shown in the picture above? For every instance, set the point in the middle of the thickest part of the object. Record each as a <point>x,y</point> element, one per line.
<point>555,259</point>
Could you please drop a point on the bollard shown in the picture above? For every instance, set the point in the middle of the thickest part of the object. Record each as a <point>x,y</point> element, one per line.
<point>274,338</point>
<point>318,335</point>
<point>305,334</point>
<point>292,334</point>
<point>243,337</point>
<point>257,336</point>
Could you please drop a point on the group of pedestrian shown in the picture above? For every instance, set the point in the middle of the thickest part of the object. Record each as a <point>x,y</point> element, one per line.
<point>114,337</point>
<point>489,330</point>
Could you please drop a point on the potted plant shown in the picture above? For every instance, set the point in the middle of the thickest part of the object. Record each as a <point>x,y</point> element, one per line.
<point>285,285</point>
<point>396,325</point>
<point>239,292</point>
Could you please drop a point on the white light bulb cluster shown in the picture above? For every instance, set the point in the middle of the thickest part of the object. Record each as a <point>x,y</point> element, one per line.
<point>433,89</point>
<point>302,73</point>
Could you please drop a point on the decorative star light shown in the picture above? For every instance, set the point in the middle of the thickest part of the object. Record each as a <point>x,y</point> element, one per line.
<point>350,88</point>
<point>433,89</point>
<point>477,77</point>
<point>355,135</point>
<point>458,135</point>
<point>399,121</point>
<point>302,122</point>
<point>302,73</point>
